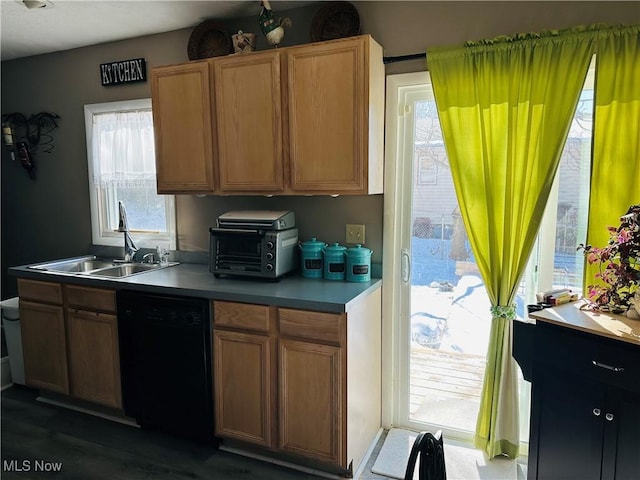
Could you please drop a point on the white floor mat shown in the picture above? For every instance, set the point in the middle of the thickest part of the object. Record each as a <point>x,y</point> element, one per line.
<point>462,462</point>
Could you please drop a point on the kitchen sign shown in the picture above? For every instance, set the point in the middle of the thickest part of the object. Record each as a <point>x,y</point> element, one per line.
<point>125,71</point>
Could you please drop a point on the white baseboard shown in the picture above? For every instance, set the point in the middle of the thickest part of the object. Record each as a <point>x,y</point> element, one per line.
<point>363,464</point>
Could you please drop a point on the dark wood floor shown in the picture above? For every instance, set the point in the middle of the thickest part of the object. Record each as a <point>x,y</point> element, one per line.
<point>92,448</point>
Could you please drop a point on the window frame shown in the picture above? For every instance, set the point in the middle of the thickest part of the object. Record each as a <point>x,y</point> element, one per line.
<point>100,233</point>
<point>427,171</point>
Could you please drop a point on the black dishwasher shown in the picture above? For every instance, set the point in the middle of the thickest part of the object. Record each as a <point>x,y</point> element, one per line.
<point>165,360</point>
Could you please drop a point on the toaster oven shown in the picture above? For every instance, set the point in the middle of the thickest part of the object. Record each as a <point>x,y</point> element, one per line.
<point>254,243</point>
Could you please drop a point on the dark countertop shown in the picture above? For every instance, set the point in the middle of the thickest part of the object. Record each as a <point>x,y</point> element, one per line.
<point>195,280</point>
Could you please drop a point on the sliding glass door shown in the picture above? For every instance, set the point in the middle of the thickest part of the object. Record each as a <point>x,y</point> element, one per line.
<point>446,316</point>
<point>437,316</point>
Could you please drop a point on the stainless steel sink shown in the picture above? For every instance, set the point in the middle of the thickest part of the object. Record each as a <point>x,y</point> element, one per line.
<point>126,269</point>
<point>90,266</point>
<point>74,265</point>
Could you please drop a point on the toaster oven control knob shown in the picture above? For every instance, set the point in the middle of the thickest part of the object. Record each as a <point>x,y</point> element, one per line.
<point>270,245</point>
<point>269,267</point>
<point>269,256</point>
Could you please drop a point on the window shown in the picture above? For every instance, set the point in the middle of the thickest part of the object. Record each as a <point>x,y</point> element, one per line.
<point>428,174</point>
<point>555,261</point>
<point>120,149</point>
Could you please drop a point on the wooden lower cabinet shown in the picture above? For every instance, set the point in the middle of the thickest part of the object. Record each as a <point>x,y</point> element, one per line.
<point>311,400</point>
<point>94,360</point>
<point>242,386</point>
<point>70,340</point>
<point>305,385</point>
<point>44,346</point>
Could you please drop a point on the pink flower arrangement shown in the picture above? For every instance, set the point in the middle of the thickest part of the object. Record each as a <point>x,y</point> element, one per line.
<point>619,260</point>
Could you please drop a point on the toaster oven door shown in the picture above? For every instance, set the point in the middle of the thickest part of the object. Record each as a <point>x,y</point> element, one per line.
<point>236,251</point>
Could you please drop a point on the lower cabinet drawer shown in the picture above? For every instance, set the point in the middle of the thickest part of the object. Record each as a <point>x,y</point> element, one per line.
<point>45,292</point>
<point>608,361</point>
<point>91,298</point>
<point>245,316</point>
<point>328,327</point>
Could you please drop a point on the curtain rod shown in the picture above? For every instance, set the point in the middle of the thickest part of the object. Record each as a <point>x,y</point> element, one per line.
<point>403,58</point>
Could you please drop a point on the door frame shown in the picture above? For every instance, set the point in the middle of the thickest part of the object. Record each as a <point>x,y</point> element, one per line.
<point>396,267</point>
<point>395,210</point>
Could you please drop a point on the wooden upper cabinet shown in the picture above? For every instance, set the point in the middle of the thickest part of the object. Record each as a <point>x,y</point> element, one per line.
<point>184,136</point>
<point>303,120</point>
<point>336,116</point>
<point>249,123</point>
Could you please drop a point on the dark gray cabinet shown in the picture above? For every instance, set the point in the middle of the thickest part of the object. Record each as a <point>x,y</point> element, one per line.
<point>585,410</point>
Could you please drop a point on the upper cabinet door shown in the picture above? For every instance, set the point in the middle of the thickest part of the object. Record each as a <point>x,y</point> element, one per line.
<point>182,117</point>
<point>249,123</point>
<point>336,116</point>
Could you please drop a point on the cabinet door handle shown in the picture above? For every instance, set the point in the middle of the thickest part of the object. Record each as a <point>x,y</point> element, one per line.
<point>608,367</point>
<point>609,416</point>
<point>597,412</point>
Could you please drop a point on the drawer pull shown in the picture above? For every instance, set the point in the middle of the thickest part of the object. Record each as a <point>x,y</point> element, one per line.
<point>608,367</point>
<point>597,412</point>
<point>609,416</point>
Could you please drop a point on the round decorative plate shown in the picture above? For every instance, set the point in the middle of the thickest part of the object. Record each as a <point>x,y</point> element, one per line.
<point>209,39</point>
<point>335,20</point>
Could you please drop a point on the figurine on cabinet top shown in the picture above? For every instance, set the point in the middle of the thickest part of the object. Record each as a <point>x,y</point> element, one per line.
<point>273,30</point>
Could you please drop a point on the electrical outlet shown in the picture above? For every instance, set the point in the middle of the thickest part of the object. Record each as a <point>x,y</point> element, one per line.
<point>355,233</point>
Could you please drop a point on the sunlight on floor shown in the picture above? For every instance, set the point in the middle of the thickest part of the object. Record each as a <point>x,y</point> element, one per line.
<point>463,462</point>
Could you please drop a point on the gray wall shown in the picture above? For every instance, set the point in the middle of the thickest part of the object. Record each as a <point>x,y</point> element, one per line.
<point>50,217</point>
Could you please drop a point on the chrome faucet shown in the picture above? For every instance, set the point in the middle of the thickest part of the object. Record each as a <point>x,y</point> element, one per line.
<point>149,258</point>
<point>129,246</point>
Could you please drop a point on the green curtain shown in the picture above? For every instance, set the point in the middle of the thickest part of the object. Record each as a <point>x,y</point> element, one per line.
<point>505,107</point>
<point>615,170</point>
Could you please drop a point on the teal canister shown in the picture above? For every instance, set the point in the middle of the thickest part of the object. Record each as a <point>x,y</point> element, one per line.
<point>335,262</point>
<point>358,264</point>
<point>311,258</point>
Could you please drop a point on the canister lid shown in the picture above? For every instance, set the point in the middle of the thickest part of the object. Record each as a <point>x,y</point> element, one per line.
<point>335,248</point>
<point>312,244</point>
<point>358,251</point>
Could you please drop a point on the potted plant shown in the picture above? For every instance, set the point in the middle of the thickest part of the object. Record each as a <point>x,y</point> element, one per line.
<point>618,289</point>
